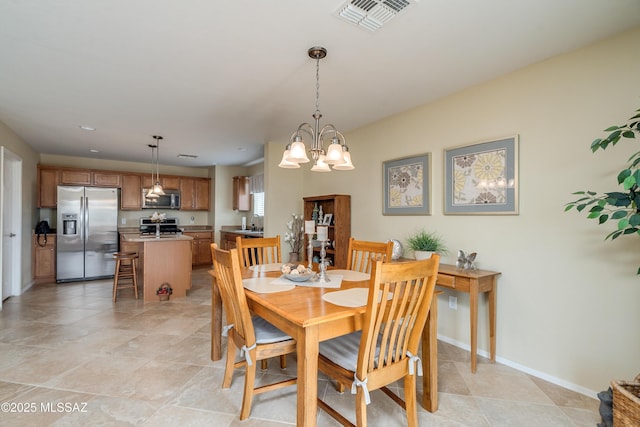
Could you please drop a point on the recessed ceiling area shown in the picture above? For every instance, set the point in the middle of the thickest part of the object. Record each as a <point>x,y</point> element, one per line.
<point>213,77</point>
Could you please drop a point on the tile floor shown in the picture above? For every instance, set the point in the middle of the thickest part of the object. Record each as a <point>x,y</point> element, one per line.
<point>69,356</point>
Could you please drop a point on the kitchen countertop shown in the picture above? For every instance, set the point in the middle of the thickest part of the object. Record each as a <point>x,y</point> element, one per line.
<point>187,228</point>
<point>238,230</point>
<point>135,237</point>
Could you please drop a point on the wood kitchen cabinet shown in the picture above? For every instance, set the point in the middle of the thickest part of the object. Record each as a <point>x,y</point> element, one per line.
<point>339,205</point>
<point>48,180</point>
<point>75,177</point>
<point>44,259</point>
<point>168,182</point>
<point>241,196</point>
<point>194,194</point>
<point>201,247</point>
<point>106,179</point>
<point>131,193</point>
<point>228,240</point>
<point>195,191</point>
<point>90,178</point>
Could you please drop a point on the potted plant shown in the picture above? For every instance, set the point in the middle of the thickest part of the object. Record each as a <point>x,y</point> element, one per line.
<point>424,243</point>
<point>620,205</point>
<point>295,236</point>
<point>164,291</point>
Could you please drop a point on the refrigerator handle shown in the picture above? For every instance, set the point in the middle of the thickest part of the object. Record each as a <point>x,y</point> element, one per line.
<point>81,220</point>
<point>85,209</point>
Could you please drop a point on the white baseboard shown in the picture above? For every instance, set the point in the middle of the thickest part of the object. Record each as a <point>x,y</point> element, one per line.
<point>558,381</point>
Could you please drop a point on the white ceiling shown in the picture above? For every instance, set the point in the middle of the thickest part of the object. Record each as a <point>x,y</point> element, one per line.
<point>218,79</point>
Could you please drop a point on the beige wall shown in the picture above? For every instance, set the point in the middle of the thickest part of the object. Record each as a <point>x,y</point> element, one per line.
<point>29,158</point>
<point>567,300</point>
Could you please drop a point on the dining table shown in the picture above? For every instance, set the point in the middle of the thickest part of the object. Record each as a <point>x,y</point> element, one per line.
<point>302,312</point>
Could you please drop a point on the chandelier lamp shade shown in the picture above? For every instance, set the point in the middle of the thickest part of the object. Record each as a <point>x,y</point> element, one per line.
<point>156,188</point>
<point>336,155</point>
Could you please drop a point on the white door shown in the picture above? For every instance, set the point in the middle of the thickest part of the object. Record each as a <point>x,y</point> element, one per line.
<point>10,223</point>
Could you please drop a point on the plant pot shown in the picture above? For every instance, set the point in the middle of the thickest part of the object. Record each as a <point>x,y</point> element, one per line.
<point>422,254</point>
<point>163,297</point>
<point>293,256</point>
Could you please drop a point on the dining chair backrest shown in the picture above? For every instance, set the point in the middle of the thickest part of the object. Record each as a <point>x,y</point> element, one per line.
<point>262,250</point>
<point>386,350</point>
<point>362,254</point>
<point>228,273</point>
<point>399,299</point>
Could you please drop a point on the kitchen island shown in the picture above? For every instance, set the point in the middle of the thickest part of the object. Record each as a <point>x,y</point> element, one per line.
<point>165,259</point>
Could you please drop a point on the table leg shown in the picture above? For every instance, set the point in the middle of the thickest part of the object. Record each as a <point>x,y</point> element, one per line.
<point>216,321</point>
<point>307,347</point>
<point>492,318</point>
<point>430,359</point>
<point>473,309</point>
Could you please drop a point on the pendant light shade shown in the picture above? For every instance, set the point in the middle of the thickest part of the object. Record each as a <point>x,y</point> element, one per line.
<point>286,164</point>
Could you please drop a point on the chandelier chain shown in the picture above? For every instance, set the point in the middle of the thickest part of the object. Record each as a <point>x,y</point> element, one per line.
<point>318,84</point>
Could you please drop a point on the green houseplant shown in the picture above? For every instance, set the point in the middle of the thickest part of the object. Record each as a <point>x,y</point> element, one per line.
<point>424,243</point>
<point>622,205</point>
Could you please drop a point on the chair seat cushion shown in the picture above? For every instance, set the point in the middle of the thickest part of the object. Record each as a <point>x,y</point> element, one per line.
<point>266,333</point>
<point>343,350</point>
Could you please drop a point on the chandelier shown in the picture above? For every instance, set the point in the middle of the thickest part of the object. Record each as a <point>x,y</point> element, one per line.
<point>156,188</point>
<point>337,153</point>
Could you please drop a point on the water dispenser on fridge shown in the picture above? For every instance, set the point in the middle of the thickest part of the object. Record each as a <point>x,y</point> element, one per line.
<point>69,224</point>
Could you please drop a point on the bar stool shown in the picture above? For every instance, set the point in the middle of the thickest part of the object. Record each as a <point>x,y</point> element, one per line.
<point>125,269</point>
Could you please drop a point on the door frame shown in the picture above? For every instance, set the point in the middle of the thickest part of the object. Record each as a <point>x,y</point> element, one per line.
<point>11,212</point>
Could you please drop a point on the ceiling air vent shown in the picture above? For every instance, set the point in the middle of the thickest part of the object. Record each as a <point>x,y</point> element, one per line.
<point>371,14</point>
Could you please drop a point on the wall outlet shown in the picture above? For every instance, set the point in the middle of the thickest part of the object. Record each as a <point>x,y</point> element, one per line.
<point>453,302</point>
<point>123,221</point>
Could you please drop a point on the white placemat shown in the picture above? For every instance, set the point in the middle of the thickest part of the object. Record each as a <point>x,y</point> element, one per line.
<point>354,297</point>
<point>334,282</point>
<point>351,276</point>
<point>266,267</point>
<point>265,285</point>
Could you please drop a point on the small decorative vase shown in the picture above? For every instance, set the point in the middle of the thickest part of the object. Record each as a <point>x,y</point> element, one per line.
<point>293,256</point>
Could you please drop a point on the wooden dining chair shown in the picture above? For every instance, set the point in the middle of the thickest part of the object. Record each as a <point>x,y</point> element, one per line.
<point>362,254</point>
<point>261,250</point>
<point>386,349</point>
<point>256,338</point>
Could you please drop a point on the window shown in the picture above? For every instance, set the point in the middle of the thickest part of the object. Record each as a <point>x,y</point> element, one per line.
<point>258,204</point>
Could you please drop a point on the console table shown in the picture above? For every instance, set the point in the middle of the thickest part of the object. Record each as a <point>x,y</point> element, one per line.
<point>473,282</point>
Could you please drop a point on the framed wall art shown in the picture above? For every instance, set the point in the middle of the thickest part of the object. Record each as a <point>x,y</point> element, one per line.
<point>482,178</point>
<point>407,185</point>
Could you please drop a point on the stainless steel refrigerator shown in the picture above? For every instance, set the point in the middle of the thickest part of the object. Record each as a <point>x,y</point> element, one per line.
<point>87,232</point>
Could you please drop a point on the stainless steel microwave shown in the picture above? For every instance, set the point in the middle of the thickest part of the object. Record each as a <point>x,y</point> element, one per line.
<point>170,200</point>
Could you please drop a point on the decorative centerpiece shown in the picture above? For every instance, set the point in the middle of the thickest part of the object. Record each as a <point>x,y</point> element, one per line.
<point>164,291</point>
<point>157,218</point>
<point>297,272</point>
<point>295,236</point>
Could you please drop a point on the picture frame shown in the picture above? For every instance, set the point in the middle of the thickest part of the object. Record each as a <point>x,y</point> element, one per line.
<point>327,219</point>
<point>482,178</point>
<point>406,184</point>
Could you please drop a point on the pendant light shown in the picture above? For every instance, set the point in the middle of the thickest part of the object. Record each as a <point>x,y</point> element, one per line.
<point>337,154</point>
<point>156,188</point>
<point>150,194</point>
